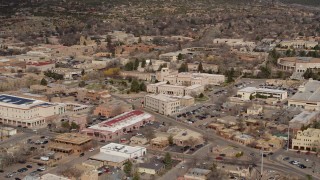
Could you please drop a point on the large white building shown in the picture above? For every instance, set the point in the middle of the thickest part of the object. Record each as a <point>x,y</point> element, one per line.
<point>162,104</point>
<point>114,154</point>
<point>307,96</point>
<point>308,140</point>
<point>27,112</point>
<point>176,90</point>
<point>249,92</point>
<point>187,79</point>
<point>300,44</point>
<point>298,64</point>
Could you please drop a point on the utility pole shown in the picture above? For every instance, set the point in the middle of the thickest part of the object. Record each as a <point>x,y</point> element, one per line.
<point>261,164</point>
<point>288,138</point>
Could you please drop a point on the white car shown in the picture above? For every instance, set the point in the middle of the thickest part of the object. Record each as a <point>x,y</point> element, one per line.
<point>42,168</point>
<point>295,162</point>
<point>92,149</point>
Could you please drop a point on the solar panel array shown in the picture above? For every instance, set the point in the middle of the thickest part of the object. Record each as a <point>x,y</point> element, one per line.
<point>15,100</point>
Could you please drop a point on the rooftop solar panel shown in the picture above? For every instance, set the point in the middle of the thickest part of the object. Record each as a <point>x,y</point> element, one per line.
<point>15,100</point>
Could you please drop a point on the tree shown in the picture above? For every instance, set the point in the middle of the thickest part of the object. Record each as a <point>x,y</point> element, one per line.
<point>136,176</point>
<point>308,74</point>
<point>82,84</point>
<point>65,125</point>
<point>149,134</point>
<point>136,64</point>
<point>44,82</point>
<point>183,67</point>
<point>230,75</point>
<point>129,66</point>
<point>180,56</point>
<point>82,72</point>
<point>265,72</point>
<point>143,63</point>
<point>170,140</point>
<point>142,86</point>
<point>128,168</point>
<point>135,87</point>
<point>200,68</point>
<point>201,95</point>
<point>167,161</point>
<point>112,71</point>
<point>162,66</point>
<point>74,125</point>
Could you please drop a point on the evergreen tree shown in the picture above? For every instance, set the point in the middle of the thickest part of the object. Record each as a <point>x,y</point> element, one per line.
<point>143,63</point>
<point>136,64</point>
<point>183,67</point>
<point>129,66</point>
<point>43,82</point>
<point>200,68</point>
<point>179,56</point>
<point>128,168</point>
<point>143,87</point>
<point>170,140</point>
<point>167,161</point>
<point>135,87</point>
<point>82,84</point>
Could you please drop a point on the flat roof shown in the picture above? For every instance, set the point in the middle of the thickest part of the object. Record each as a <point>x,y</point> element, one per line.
<point>49,176</point>
<point>121,148</point>
<point>162,97</point>
<point>311,92</point>
<point>154,164</point>
<point>198,172</point>
<point>261,90</point>
<point>121,121</point>
<point>244,136</point>
<point>107,157</point>
<point>73,138</point>
<point>21,102</point>
<point>194,86</point>
<point>304,117</point>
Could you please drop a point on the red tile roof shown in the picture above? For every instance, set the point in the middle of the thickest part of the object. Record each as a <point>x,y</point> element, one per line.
<point>122,118</point>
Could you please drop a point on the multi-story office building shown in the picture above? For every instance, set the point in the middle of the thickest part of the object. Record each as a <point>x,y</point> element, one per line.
<point>162,104</point>
<point>308,140</point>
<point>175,90</point>
<point>20,111</point>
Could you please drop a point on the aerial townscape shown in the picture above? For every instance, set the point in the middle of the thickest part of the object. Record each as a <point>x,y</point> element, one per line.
<point>160,90</point>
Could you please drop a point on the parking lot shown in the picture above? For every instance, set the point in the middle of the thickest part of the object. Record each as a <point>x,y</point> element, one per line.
<point>20,170</point>
<point>304,162</point>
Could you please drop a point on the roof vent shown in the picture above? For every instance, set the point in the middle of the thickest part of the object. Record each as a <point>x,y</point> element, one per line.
<point>301,88</point>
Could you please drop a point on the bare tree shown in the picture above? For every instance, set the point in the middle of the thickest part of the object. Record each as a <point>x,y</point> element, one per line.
<point>71,172</point>
<point>149,134</point>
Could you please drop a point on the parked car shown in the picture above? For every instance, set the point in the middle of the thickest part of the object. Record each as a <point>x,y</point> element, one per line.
<point>42,168</point>
<point>286,158</point>
<point>29,166</point>
<point>82,154</point>
<point>91,149</point>
<point>302,166</point>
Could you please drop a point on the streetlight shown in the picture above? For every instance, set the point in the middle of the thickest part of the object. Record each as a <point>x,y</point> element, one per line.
<point>288,138</point>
